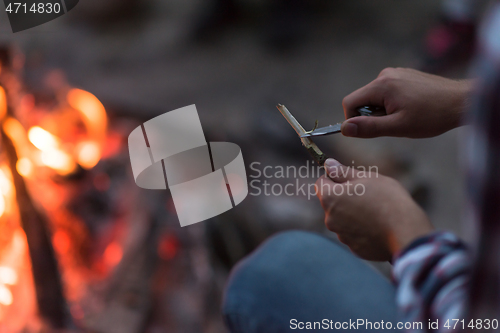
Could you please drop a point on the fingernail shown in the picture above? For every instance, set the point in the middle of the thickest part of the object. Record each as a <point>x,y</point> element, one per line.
<point>331,163</point>
<point>350,129</point>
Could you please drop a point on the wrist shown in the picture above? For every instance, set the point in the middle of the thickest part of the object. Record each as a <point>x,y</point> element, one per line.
<point>408,232</point>
<point>442,239</point>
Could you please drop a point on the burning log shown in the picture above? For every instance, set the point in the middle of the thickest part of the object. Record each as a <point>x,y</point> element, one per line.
<point>49,292</point>
<point>51,303</point>
<point>93,254</point>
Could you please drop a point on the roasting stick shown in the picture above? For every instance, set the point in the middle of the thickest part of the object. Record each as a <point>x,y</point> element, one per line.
<point>313,149</point>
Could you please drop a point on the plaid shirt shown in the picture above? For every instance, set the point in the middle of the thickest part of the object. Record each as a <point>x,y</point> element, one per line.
<point>437,276</point>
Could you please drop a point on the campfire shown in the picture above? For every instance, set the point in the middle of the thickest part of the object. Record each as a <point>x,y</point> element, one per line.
<point>82,248</point>
<point>52,264</point>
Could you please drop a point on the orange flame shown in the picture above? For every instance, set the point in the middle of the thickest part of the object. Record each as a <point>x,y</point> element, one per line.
<point>42,139</point>
<point>25,167</point>
<point>5,295</point>
<point>2,205</point>
<point>113,254</point>
<point>91,108</point>
<point>6,189</point>
<point>7,275</point>
<point>95,119</point>
<point>16,132</point>
<point>59,161</point>
<point>5,184</point>
<point>3,103</point>
<point>16,279</point>
<point>51,156</point>
<point>88,154</point>
<point>61,241</point>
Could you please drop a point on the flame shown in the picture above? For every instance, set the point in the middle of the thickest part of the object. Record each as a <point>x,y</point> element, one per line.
<point>35,147</point>
<point>6,188</point>
<point>18,306</point>
<point>61,241</point>
<point>51,156</point>
<point>13,128</point>
<point>7,275</point>
<point>16,132</point>
<point>11,262</point>
<point>91,108</point>
<point>95,119</point>
<point>25,167</point>
<point>5,295</point>
<point>2,205</point>
<point>59,161</point>
<point>113,254</point>
<point>3,103</point>
<point>88,154</point>
<point>5,183</point>
<point>42,139</point>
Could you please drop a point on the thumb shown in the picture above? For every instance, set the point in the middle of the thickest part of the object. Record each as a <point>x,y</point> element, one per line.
<point>337,172</point>
<point>372,127</point>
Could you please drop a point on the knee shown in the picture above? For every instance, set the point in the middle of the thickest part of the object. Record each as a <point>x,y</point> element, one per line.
<point>291,238</point>
<point>277,251</point>
<point>269,265</point>
<point>286,243</point>
<point>254,282</point>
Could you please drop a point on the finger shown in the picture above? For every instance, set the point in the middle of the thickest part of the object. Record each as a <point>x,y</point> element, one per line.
<point>337,172</point>
<point>372,127</point>
<point>329,193</point>
<point>324,197</point>
<point>371,94</point>
<point>342,238</point>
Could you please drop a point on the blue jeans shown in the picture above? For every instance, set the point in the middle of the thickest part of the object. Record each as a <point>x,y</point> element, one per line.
<point>298,277</point>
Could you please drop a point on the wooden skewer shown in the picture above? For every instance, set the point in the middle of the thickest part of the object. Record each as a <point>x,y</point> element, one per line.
<point>313,149</point>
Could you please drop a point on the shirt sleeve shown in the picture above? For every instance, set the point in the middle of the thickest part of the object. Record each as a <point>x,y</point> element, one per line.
<point>432,276</point>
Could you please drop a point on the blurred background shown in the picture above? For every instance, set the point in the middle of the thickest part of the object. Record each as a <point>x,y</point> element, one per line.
<point>82,248</point>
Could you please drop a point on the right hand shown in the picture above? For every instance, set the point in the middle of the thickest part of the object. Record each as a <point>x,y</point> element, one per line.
<point>418,105</point>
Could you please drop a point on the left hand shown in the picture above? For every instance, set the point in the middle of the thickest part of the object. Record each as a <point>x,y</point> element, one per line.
<point>375,216</point>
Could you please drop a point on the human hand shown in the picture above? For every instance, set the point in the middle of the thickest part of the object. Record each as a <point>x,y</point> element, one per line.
<point>375,216</point>
<point>418,105</point>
